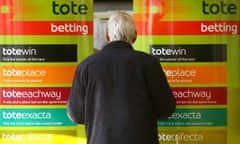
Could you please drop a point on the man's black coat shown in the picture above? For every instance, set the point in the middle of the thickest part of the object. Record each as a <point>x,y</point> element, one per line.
<point>119,94</point>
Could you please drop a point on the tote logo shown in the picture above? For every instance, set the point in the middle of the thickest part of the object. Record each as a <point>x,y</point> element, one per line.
<point>6,9</point>
<point>219,8</point>
<point>72,8</point>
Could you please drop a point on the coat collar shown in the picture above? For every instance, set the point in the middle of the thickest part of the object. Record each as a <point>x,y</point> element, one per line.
<point>117,45</point>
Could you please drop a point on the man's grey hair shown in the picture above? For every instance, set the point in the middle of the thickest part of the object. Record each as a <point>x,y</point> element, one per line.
<point>121,27</point>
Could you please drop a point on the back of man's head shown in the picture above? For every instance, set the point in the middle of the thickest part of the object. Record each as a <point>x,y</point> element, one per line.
<point>121,27</point>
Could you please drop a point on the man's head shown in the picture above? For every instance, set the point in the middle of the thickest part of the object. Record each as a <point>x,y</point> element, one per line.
<point>121,27</point>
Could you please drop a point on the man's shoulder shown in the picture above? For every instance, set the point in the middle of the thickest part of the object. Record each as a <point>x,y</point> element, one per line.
<point>89,59</point>
<point>145,56</point>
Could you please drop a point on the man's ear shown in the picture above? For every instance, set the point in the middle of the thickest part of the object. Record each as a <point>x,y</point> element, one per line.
<point>107,36</point>
<point>134,39</point>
